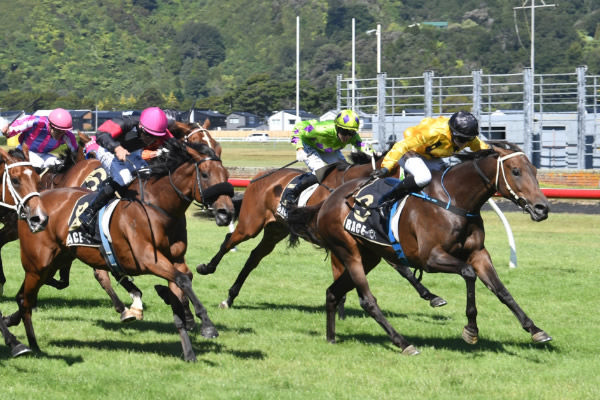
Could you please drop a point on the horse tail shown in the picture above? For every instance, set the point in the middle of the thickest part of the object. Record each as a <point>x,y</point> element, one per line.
<point>301,221</point>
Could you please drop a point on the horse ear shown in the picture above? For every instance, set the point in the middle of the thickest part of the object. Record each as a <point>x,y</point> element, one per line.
<point>206,124</point>
<point>3,154</point>
<point>25,149</point>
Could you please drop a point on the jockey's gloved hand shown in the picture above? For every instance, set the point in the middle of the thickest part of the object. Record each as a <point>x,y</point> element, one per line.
<point>380,173</point>
<point>301,155</point>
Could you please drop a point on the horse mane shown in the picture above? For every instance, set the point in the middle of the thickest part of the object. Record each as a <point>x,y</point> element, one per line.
<point>486,152</point>
<point>17,153</point>
<point>68,159</point>
<point>175,155</point>
<point>360,158</point>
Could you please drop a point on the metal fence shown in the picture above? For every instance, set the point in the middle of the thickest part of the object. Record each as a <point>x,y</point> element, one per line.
<point>553,117</point>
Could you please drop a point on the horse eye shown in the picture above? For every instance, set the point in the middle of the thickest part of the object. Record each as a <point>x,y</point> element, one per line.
<point>516,172</point>
<point>15,181</point>
<point>204,175</point>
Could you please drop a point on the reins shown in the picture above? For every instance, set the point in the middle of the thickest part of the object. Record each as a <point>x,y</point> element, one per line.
<point>7,183</point>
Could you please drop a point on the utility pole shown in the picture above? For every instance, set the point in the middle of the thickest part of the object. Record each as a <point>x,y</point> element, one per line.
<point>533,6</point>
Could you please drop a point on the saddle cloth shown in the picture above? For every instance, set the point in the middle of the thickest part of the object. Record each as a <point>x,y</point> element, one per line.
<point>376,224</point>
<point>302,199</point>
<point>75,236</point>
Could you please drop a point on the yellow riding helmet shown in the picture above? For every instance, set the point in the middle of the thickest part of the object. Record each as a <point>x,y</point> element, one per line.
<point>347,119</point>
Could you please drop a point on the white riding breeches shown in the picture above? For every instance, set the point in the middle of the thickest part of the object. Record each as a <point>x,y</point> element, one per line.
<point>420,167</point>
<point>315,159</point>
<point>43,160</point>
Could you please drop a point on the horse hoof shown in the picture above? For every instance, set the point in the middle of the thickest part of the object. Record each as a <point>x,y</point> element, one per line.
<point>437,301</point>
<point>224,304</point>
<point>470,335</point>
<point>541,337</point>
<point>137,312</point>
<point>410,350</point>
<point>20,350</point>
<point>209,332</point>
<point>203,269</point>
<point>127,315</point>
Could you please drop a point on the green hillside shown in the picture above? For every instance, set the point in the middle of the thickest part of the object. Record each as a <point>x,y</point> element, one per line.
<point>241,55</point>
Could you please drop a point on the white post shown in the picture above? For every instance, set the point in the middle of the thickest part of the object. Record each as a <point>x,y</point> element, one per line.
<point>353,59</point>
<point>297,69</point>
<point>378,48</point>
<point>512,263</point>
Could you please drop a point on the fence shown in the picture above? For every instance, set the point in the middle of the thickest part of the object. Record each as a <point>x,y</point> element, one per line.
<point>553,117</point>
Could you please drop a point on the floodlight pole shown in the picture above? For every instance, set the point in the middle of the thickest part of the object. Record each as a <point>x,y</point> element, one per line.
<point>533,6</point>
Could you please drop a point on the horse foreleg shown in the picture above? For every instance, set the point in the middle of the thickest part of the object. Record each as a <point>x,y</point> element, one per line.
<point>137,307</point>
<point>485,270</point>
<point>434,300</point>
<point>211,267</point>
<point>273,234</point>
<point>63,282</point>
<point>208,329</point>
<point>179,318</point>
<point>16,348</point>
<point>357,273</point>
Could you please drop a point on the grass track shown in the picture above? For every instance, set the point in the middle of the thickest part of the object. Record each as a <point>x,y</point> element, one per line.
<point>272,343</point>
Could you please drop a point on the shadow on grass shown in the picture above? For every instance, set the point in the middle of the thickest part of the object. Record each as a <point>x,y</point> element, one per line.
<point>164,349</point>
<point>350,311</point>
<point>482,348</point>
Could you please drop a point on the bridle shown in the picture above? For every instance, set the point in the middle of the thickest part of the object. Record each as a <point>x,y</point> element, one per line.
<point>521,202</point>
<point>204,131</point>
<point>205,194</point>
<point>8,185</point>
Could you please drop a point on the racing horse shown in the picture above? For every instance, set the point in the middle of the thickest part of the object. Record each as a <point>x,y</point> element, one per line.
<point>19,195</point>
<point>441,231</point>
<point>148,235</point>
<point>74,170</point>
<point>259,213</point>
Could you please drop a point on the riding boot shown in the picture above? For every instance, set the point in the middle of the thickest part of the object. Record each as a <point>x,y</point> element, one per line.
<point>405,186</point>
<point>105,193</point>
<point>305,181</point>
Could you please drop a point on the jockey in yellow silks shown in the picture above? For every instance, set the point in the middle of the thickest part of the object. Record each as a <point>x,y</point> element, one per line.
<point>423,147</point>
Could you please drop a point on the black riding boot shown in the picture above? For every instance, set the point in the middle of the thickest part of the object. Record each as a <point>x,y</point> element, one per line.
<point>305,181</point>
<point>105,193</point>
<point>402,188</point>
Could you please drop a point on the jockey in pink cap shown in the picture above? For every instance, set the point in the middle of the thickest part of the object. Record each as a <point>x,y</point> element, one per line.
<point>122,145</point>
<point>43,134</point>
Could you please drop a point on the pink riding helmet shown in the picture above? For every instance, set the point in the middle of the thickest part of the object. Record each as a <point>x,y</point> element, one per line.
<point>154,121</point>
<point>61,119</point>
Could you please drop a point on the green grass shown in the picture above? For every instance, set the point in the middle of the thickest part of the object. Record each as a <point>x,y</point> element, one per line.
<point>272,343</point>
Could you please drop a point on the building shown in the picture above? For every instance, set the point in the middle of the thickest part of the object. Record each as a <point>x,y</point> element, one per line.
<point>285,120</point>
<point>217,120</point>
<point>242,120</point>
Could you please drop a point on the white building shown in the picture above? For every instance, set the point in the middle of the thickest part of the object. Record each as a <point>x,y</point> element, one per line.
<point>285,120</point>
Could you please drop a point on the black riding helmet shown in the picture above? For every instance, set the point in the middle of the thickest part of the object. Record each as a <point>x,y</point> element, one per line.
<point>463,125</point>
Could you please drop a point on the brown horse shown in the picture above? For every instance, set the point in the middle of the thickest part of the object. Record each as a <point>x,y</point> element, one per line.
<point>74,171</point>
<point>20,197</point>
<point>190,132</point>
<point>259,213</point>
<point>447,238</point>
<point>148,236</point>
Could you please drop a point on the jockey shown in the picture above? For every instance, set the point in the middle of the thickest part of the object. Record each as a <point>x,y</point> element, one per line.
<point>123,145</point>
<point>42,135</point>
<point>423,147</point>
<point>320,143</point>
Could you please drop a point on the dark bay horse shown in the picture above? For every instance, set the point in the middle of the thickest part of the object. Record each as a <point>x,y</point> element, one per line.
<point>258,213</point>
<point>434,238</point>
<point>149,236</point>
